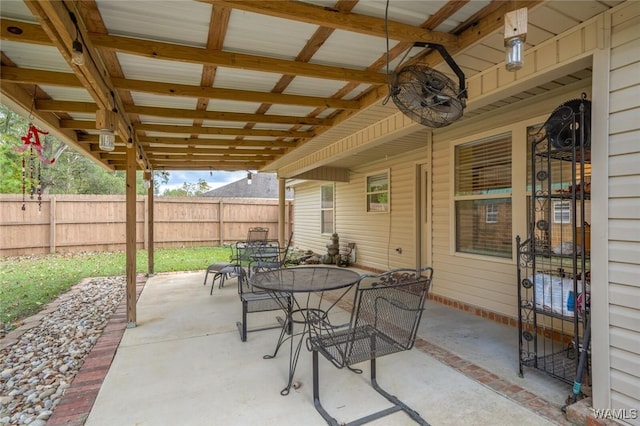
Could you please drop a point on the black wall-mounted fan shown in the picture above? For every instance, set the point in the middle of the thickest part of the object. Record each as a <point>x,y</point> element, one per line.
<point>428,96</point>
<point>569,123</point>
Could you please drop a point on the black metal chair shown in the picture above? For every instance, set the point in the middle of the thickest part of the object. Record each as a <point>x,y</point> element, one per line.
<point>254,300</point>
<point>221,271</point>
<point>243,252</point>
<point>271,256</point>
<point>386,314</point>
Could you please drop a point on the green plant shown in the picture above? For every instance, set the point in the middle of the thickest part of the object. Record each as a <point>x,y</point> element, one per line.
<point>28,283</point>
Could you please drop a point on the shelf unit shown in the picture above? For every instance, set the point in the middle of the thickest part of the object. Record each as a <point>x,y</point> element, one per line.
<point>553,260</point>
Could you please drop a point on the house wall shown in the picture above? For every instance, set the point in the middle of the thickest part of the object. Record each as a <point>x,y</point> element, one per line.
<point>485,282</point>
<point>482,281</point>
<point>616,246</point>
<point>377,235</point>
<point>615,233</point>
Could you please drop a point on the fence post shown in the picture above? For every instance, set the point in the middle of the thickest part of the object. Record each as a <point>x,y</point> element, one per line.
<point>145,234</point>
<point>52,224</point>
<point>221,222</point>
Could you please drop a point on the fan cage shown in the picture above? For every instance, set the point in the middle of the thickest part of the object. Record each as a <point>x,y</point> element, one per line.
<point>427,96</point>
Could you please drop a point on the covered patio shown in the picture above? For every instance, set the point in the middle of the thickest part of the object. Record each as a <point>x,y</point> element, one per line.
<point>185,364</point>
<point>300,88</point>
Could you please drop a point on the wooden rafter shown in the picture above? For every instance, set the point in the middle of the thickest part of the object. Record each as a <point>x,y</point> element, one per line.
<point>105,81</point>
<point>339,19</point>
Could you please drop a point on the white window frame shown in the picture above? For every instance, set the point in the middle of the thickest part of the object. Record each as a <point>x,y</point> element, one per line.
<point>491,214</point>
<point>562,212</point>
<point>387,205</point>
<point>499,196</point>
<point>326,209</point>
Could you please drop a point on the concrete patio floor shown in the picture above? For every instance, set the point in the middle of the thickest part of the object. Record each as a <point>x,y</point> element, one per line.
<point>184,364</point>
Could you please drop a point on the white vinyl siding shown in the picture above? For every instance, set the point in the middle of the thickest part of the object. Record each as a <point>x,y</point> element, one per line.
<point>624,210</point>
<point>376,235</point>
<point>327,207</point>
<point>476,280</point>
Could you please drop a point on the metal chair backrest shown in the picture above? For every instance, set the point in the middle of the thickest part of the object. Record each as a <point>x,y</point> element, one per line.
<point>392,303</point>
<point>257,235</point>
<point>385,317</point>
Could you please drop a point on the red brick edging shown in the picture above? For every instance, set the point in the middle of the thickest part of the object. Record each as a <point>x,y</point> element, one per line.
<point>78,399</point>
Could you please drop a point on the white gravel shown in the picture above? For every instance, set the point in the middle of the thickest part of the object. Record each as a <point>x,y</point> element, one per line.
<point>36,370</point>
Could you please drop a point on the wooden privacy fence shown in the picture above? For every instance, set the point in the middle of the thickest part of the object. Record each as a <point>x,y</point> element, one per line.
<point>74,223</point>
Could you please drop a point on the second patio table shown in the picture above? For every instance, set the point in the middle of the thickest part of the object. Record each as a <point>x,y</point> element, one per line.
<point>302,283</point>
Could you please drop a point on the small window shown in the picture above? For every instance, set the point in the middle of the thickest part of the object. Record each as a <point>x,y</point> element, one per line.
<point>491,213</point>
<point>326,209</point>
<point>378,193</point>
<point>483,197</point>
<point>562,212</point>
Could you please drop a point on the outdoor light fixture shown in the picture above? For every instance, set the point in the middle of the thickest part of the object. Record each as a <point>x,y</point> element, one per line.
<point>76,47</point>
<point>106,124</point>
<point>249,178</point>
<point>515,33</point>
<point>76,53</point>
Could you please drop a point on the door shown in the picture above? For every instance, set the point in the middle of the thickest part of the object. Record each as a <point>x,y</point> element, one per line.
<point>423,215</point>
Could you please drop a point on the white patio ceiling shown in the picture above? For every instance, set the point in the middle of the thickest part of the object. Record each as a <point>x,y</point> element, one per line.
<point>236,85</point>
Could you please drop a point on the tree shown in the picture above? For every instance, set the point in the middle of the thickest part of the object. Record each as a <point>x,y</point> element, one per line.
<point>188,189</point>
<point>71,173</point>
<point>12,126</point>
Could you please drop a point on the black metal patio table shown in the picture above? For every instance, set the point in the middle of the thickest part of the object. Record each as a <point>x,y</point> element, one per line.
<point>302,283</point>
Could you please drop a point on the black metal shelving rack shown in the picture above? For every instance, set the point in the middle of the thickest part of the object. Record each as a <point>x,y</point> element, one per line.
<point>553,261</point>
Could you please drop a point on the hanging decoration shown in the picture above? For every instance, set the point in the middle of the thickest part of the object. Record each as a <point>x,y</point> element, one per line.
<point>31,146</point>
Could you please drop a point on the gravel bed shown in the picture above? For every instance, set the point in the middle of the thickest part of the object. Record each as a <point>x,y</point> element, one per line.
<point>36,370</point>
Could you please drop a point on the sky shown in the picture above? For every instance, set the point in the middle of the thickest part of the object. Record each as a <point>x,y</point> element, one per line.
<point>215,179</point>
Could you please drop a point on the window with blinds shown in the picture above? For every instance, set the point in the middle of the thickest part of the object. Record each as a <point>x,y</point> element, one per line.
<point>326,209</point>
<point>378,192</point>
<point>483,197</point>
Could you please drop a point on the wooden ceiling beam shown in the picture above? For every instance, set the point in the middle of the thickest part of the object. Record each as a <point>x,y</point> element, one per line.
<point>482,27</point>
<point>62,23</point>
<point>91,125</point>
<point>226,116</point>
<point>40,77</point>
<point>202,56</point>
<point>244,143</point>
<point>147,140</point>
<point>338,19</point>
<point>209,166</point>
<point>185,159</point>
<point>66,106</point>
<point>90,108</point>
<point>54,78</point>
<point>186,90</point>
<point>152,151</point>
<point>14,94</point>
<point>23,32</point>
<point>221,131</point>
<point>158,50</point>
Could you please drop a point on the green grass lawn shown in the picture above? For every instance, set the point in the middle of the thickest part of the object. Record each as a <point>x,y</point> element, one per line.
<point>28,283</point>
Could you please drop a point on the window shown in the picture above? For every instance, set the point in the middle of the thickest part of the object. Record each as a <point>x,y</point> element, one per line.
<point>491,213</point>
<point>562,212</point>
<point>326,209</point>
<point>378,192</point>
<point>483,197</point>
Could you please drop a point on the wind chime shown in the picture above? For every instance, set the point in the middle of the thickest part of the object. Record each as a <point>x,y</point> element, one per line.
<point>32,147</point>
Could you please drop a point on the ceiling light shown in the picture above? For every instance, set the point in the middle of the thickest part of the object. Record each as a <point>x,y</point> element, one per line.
<point>76,53</point>
<point>106,124</point>
<point>515,33</point>
<point>76,47</point>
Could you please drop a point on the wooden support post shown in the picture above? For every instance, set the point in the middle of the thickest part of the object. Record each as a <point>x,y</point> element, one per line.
<point>282,190</point>
<point>145,232</point>
<point>130,236</point>
<point>221,221</point>
<point>52,225</point>
<point>150,242</point>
